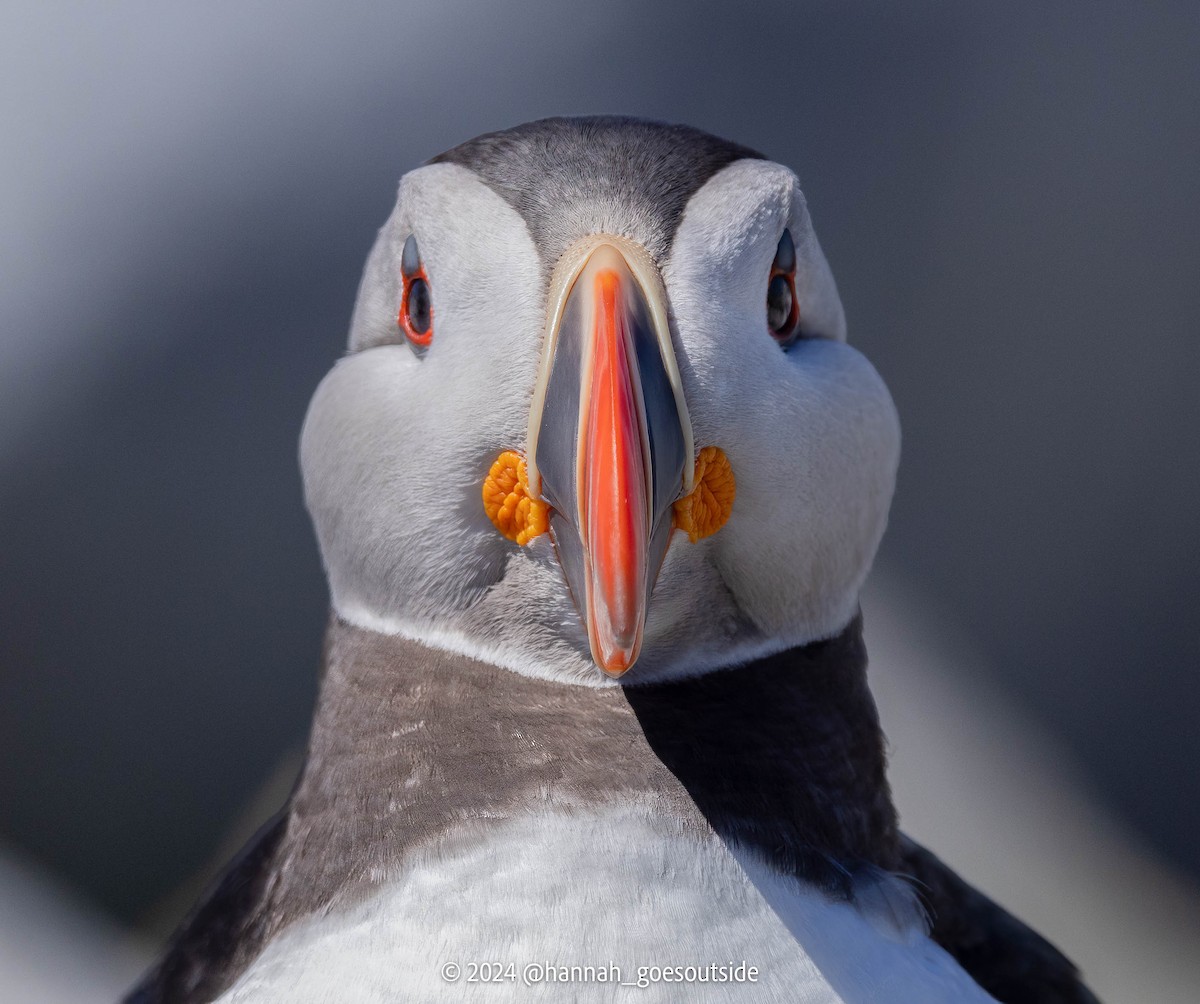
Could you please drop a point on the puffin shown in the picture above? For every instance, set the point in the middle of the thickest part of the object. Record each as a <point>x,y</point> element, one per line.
<point>596,486</point>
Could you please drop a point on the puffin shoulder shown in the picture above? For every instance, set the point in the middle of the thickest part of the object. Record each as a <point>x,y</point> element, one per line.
<point>223,931</point>
<point>1010,960</point>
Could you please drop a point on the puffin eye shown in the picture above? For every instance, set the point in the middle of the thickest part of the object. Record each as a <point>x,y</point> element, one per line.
<point>779,304</point>
<point>416,307</point>
<point>783,314</point>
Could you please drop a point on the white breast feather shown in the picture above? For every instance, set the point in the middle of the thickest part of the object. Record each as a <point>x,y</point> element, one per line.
<point>627,886</point>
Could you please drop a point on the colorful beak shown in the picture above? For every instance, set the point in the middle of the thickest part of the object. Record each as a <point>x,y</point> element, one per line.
<point>610,440</point>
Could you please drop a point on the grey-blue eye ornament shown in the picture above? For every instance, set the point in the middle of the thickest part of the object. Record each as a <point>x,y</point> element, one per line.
<point>588,704</point>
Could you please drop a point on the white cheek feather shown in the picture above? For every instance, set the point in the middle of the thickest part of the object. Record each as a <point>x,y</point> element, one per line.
<point>812,433</point>
<point>395,448</point>
<point>627,885</point>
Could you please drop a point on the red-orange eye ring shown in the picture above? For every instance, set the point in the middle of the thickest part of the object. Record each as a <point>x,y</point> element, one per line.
<point>416,304</point>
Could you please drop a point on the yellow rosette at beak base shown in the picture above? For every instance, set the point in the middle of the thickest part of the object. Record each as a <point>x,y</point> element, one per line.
<point>521,517</point>
<point>706,508</point>
<point>508,503</point>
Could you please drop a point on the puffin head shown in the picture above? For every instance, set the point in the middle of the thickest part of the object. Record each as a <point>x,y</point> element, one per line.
<point>598,415</point>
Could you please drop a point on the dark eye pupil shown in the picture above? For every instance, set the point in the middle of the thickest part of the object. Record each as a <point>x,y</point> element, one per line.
<point>418,306</point>
<point>779,304</point>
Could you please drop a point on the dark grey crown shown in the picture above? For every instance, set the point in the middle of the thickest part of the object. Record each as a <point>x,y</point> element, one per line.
<point>569,177</point>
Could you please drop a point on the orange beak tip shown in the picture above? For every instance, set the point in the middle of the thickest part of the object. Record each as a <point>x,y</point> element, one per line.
<point>618,662</point>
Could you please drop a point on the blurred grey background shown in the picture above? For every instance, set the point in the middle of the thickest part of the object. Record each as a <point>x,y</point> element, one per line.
<point>1010,199</point>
